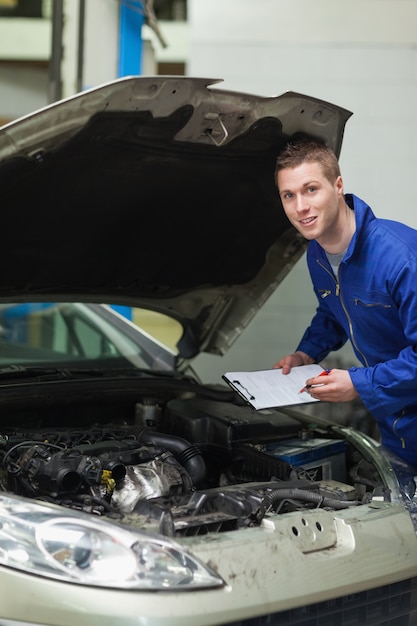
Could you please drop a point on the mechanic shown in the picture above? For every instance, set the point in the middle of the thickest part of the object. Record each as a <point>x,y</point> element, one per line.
<point>364,274</point>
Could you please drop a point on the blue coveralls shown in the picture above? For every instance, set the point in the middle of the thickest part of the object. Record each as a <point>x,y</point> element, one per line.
<point>373,303</point>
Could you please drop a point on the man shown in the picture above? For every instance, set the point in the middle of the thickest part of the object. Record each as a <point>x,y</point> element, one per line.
<point>364,273</point>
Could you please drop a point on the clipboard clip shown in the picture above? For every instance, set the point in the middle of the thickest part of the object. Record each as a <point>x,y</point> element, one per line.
<point>247,392</point>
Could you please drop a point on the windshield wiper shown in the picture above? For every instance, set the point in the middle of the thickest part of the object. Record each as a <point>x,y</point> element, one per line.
<point>20,371</point>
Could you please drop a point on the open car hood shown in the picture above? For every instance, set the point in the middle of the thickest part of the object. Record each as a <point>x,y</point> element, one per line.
<point>156,192</point>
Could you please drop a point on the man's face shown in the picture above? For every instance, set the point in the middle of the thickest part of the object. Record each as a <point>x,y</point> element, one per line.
<point>311,202</point>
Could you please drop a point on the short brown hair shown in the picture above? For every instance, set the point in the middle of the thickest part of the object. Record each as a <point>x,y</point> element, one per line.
<point>297,152</point>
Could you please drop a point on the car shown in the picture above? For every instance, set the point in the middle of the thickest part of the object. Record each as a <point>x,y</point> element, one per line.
<point>132,493</point>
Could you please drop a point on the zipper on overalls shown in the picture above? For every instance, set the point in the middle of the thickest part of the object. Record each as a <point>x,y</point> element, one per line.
<point>326,292</point>
<point>338,293</point>
<point>394,425</point>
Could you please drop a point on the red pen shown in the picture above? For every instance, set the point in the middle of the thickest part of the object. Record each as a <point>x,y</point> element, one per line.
<point>323,373</point>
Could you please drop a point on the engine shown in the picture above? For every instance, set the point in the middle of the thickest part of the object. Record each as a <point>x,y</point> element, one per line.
<point>185,467</point>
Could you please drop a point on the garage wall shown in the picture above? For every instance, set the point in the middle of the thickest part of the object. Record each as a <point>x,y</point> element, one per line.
<point>359,54</point>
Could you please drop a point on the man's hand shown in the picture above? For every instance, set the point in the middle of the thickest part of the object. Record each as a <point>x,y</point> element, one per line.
<point>335,387</point>
<point>293,360</point>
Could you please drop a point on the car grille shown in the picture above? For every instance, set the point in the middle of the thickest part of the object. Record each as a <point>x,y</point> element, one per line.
<point>391,605</point>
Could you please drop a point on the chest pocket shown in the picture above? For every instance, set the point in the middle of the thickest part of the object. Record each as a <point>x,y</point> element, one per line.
<point>372,299</point>
<point>373,314</point>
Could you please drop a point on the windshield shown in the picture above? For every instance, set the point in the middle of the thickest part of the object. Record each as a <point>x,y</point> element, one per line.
<point>76,334</point>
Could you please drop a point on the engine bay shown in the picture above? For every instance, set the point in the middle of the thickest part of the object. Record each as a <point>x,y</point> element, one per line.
<point>183,465</point>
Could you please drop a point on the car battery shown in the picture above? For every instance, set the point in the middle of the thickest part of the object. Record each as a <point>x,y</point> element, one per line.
<point>324,459</point>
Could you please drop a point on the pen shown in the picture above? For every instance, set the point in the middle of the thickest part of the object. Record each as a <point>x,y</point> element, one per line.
<point>323,373</point>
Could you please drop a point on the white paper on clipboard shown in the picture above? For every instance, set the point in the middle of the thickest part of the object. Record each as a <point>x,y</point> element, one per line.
<point>263,389</point>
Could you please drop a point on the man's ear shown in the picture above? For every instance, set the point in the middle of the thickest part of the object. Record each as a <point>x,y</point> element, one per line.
<point>339,185</point>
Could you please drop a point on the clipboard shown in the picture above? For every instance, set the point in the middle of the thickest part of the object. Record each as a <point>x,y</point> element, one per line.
<point>266,389</point>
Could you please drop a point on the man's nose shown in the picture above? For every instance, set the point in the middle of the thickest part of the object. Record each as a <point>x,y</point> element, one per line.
<point>300,203</point>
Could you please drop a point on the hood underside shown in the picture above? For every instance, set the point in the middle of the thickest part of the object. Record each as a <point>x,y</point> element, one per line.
<point>156,192</point>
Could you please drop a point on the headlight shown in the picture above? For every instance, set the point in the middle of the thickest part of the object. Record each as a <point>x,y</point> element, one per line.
<point>38,538</point>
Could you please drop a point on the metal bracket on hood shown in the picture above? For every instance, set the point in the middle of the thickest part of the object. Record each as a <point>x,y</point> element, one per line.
<point>209,131</point>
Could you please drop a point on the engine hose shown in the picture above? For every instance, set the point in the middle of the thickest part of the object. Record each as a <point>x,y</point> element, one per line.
<point>188,455</point>
<point>276,496</point>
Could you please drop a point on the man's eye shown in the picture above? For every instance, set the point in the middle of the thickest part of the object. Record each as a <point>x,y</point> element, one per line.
<point>311,189</point>
<point>287,195</point>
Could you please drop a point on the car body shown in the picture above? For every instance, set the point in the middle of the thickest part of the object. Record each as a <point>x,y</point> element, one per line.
<point>132,493</point>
